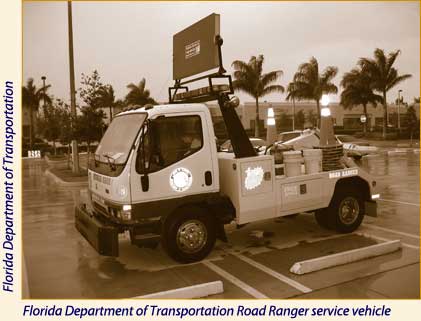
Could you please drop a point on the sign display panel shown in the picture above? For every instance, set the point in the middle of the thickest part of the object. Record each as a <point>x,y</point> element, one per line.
<point>194,48</point>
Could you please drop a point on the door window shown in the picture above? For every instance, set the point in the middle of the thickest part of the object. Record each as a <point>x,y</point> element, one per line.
<point>168,140</point>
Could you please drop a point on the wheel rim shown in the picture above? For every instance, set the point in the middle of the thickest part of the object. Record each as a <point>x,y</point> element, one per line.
<point>191,236</point>
<point>349,210</point>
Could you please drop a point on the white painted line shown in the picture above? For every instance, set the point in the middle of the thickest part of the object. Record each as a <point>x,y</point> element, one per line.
<point>341,258</point>
<point>383,239</point>
<point>189,292</point>
<point>243,286</point>
<point>375,227</point>
<point>314,240</point>
<point>279,276</point>
<point>25,284</point>
<point>399,202</point>
<point>397,151</point>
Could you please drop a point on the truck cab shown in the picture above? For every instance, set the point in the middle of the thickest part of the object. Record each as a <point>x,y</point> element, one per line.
<point>152,165</point>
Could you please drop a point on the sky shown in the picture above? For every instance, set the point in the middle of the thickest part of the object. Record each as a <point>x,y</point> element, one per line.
<point>126,41</point>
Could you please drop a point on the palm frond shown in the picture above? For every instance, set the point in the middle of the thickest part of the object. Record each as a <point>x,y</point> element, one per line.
<point>391,60</point>
<point>272,89</point>
<point>270,77</point>
<point>329,73</point>
<point>330,88</point>
<point>397,80</point>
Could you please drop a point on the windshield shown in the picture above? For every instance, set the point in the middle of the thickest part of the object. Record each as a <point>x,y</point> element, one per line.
<point>288,136</point>
<point>118,139</point>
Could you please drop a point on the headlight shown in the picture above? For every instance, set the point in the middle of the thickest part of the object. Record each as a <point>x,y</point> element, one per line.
<point>125,213</point>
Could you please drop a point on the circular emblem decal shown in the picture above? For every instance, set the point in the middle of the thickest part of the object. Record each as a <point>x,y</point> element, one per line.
<point>181,179</point>
<point>254,177</point>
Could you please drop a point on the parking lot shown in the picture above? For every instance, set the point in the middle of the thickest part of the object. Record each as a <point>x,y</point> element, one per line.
<point>61,264</point>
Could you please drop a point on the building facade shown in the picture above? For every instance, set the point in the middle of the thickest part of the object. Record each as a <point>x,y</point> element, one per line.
<point>347,119</point>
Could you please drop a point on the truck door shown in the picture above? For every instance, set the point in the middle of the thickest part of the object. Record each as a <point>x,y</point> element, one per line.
<point>178,153</point>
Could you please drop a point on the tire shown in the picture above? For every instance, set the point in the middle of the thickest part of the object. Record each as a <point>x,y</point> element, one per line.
<point>189,234</point>
<point>346,210</point>
<point>322,218</point>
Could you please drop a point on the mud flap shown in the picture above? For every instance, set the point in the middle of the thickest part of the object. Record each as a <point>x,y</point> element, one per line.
<point>370,208</point>
<point>103,237</point>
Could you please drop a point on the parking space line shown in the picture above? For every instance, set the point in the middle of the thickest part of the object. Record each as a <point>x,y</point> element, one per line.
<point>399,202</point>
<point>379,238</point>
<point>300,287</point>
<point>237,282</point>
<point>391,231</point>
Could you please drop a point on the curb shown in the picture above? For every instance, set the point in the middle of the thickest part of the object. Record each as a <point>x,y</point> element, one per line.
<point>60,182</point>
<point>34,160</point>
<point>341,258</point>
<point>190,292</point>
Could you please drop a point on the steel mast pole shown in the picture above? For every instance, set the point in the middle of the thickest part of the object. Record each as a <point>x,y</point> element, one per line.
<point>75,153</point>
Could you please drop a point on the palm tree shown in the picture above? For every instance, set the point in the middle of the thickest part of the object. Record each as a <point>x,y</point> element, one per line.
<point>106,98</point>
<point>139,95</point>
<point>31,97</point>
<point>358,91</point>
<point>383,76</point>
<point>249,78</point>
<point>291,90</point>
<point>309,83</point>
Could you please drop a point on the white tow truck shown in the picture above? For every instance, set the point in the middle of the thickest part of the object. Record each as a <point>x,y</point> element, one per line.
<point>157,174</point>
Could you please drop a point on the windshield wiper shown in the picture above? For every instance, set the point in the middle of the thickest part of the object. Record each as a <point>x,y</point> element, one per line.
<point>111,164</point>
<point>96,160</point>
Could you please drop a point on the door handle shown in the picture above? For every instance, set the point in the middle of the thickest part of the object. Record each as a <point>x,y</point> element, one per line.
<point>208,178</point>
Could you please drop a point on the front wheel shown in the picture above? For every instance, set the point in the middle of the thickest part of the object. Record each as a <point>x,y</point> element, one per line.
<point>346,210</point>
<point>189,235</point>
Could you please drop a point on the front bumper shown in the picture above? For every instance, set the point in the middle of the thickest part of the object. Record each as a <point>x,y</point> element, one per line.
<point>101,235</point>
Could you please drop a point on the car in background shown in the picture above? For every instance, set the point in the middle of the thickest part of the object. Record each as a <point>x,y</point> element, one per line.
<point>286,136</point>
<point>355,147</point>
<point>258,144</point>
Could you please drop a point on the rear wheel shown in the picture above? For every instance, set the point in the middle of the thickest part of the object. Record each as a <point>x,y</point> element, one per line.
<point>346,210</point>
<point>189,235</point>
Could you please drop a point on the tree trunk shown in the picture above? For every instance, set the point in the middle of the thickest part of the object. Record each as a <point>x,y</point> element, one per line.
<point>68,155</point>
<point>385,120</point>
<point>318,114</point>
<point>89,152</point>
<point>31,127</point>
<point>257,123</point>
<point>54,147</point>
<point>366,120</point>
<point>111,114</point>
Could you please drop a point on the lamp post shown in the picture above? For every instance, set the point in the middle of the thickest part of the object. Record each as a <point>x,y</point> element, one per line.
<point>399,113</point>
<point>43,91</point>
<point>293,106</point>
<point>75,153</point>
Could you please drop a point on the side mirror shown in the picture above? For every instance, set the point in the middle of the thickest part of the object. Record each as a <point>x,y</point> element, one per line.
<point>144,181</point>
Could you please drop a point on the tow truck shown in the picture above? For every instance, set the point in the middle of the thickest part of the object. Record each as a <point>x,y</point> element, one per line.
<point>157,174</point>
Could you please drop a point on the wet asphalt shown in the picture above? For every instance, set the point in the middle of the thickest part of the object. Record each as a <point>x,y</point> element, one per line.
<point>61,264</point>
